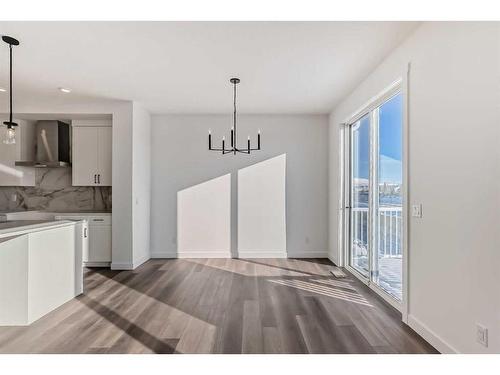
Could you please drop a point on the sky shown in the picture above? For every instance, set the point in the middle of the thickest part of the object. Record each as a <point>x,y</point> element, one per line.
<point>390,143</point>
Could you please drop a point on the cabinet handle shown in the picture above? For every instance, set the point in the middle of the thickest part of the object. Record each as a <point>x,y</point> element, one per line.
<point>95,179</point>
<point>84,232</point>
<point>98,178</point>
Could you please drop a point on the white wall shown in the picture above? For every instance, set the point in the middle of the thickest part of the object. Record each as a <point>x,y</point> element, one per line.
<point>180,159</point>
<point>141,185</point>
<point>454,169</point>
<point>122,219</point>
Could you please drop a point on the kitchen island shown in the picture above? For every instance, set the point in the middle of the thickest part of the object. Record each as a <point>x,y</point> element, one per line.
<point>98,253</point>
<point>40,268</point>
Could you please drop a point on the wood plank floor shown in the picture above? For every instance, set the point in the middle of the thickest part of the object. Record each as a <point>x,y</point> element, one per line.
<point>219,306</point>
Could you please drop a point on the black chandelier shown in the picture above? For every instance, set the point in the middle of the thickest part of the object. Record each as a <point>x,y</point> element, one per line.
<point>234,149</point>
<point>10,132</point>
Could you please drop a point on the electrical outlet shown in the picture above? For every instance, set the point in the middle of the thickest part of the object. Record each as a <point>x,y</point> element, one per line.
<point>416,210</point>
<point>482,334</point>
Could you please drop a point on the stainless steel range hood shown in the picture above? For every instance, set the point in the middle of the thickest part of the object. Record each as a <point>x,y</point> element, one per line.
<point>52,145</point>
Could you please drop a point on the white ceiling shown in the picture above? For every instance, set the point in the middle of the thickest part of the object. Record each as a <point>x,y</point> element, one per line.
<point>184,67</point>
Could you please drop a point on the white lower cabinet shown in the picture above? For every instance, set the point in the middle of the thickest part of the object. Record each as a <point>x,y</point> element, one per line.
<point>99,236</point>
<point>100,244</point>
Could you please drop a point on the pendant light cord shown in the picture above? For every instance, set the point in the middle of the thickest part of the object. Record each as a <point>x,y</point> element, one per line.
<point>10,83</point>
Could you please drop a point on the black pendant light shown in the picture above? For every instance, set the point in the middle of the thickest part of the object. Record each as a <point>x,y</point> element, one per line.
<point>10,131</point>
<point>234,149</point>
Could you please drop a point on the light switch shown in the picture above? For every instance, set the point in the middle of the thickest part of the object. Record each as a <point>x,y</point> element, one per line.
<point>416,210</point>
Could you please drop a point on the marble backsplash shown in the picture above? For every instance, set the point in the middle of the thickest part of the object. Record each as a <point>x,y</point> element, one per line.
<point>53,192</point>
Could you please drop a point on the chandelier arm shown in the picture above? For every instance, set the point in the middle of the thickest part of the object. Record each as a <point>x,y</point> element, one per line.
<point>234,149</point>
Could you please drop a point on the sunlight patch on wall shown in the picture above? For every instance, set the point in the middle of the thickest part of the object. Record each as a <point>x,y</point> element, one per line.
<point>261,208</point>
<point>204,219</point>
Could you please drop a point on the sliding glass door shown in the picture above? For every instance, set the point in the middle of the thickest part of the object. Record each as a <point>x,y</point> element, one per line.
<point>375,179</point>
<point>360,191</point>
<point>388,257</point>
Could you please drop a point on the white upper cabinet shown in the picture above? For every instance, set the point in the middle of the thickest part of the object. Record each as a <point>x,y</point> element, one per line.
<point>23,149</point>
<point>104,150</point>
<point>92,150</point>
<point>85,158</point>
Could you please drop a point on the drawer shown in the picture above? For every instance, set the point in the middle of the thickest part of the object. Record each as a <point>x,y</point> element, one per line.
<point>64,217</point>
<point>93,220</point>
<point>99,220</point>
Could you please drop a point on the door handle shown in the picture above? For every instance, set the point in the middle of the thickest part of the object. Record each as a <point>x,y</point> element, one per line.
<point>84,232</point>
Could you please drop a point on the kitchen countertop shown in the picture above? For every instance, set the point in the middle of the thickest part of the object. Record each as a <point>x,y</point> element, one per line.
<point>72,212</point>
<point>49,215</point>
<point>21,223</point>
<point>18,227</point>
<point>82,213</point>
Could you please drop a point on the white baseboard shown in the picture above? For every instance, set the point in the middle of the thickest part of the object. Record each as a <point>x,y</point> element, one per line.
<point>142,260</point>
<point>128,266</point>
<point>261,254</point>
<point>96,264</point>
<point>334,261</point>
<point>163,255</point>
<point>242,254</point>
<point>430,336</point>
<point>204,254</point>
<point>307,254</point>
<point>122,266</point>
<point>190,254</point>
